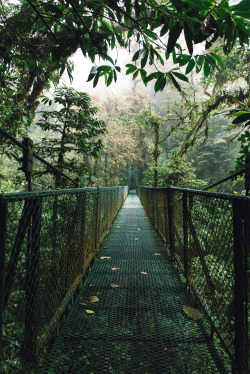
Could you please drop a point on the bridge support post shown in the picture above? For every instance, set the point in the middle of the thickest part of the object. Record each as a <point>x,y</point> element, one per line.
<point>171,221</point>
<point>29,347</point>
<point>97,231</point>
<point>185,233</point>
<point>3,224</point>
<point>165,205</point>
<point>247,175</point>
<point>241,245</point>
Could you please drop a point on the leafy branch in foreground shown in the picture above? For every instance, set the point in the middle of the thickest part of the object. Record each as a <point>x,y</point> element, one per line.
<point>241,117</point>
<point>38,37</point>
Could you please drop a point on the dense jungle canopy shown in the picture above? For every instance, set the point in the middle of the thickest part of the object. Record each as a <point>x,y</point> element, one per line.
<point>195,55</point>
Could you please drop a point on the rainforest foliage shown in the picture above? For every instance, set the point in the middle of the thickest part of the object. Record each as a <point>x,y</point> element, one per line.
<point>193,52</point>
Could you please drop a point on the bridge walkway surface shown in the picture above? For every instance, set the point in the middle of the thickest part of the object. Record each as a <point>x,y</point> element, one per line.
<point>138,324</point>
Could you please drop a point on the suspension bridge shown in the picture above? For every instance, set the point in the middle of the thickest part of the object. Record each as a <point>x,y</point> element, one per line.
<point>97,280</point>
<point>118,280</point>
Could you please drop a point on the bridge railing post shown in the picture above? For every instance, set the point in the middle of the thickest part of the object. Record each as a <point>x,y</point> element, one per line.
<point>3,224</point>
<point>185,233</point>
<point>97,228</point>
<point>171,221</point>
<point>166,218</point>
<point>241,211</point>
<point>247,175</point>
<point>29,347</point>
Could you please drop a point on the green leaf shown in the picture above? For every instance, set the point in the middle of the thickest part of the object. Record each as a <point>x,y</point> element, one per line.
<point>199,64</point>
<point>144,59</point>
<point>159,57</point>
<point>160,83</point>
<point>109,59</point>
<point>190,66</point>
<point>164,29</point>
<point>105,68</point>
<point>173,37</point>
<point>135,74</point>
<point>174,56</point>
<point>218,58</point>
<point>238,113</point>
<point>206,69</point>
<point>131,68</point>
<point>183,59</point>
<point>167,55</point>
<point>150,34</point>
<point>130,33</point>
<point>241,9</point>
<point>107,27</point>
<point>110,78</point>
<point>113,42</point>
<point>136,55</point>
<point>172,78</point>
<point>143,76</point>
<point>96,80</point>
<point>53,9</point>
<point>118,68</point>
<point>188,37</point>
<point>152,76</point>
<point>180,76</point>
<point>137,9</point>
<point>242,118</point>
<point>90,77</point>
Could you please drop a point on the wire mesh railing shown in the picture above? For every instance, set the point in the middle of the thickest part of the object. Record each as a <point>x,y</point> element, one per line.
<point>208,236</point>
<point>48,240</point>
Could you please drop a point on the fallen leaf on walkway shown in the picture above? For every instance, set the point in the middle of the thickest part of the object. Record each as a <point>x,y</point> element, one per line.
<point>93,299</point>
<point>136,238</point>
<point>171,351</point>
<point>192,312</point>
<point>138,228</point>
<point>114,285</point>
<point>105,258</point>
<point>143,272</point>
<point>82,304</point>
<point>115,269</point>
<point>90,311</point>
<point>157,254</point>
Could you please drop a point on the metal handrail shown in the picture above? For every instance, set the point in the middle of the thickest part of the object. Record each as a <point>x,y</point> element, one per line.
<point>242,171</point>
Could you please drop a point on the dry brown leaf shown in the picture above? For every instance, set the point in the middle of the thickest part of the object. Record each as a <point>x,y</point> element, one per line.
<point>115,269</point>
<point>193,313</point>
<point>143,272</point>
<point>82,304</point>
<point>93,299</point>
<point>90,311</point>
<point>171,351</point>
<point>157,254</point>
<point>114,285</point>
<point>105,258</point>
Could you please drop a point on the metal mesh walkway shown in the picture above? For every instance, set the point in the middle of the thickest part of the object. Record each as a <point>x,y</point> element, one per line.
<point>138,324</point>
